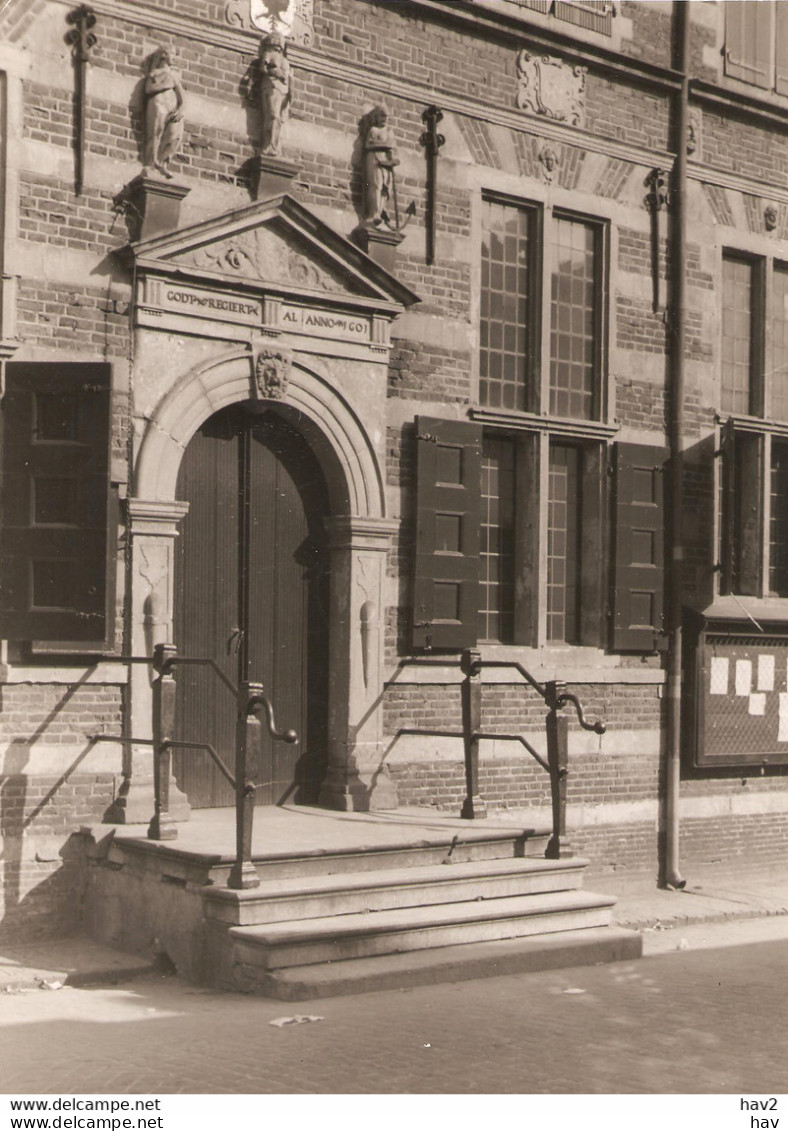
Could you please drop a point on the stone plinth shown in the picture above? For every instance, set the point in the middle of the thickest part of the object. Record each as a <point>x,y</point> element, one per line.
<point>272,176</point>
<point>153,206</point>
<point>380,244</point>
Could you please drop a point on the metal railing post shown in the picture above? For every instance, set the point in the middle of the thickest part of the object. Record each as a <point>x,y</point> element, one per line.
<point>557,726</point>
<point>248,735</point>
<point>473,807</point>
<point>162,826</point>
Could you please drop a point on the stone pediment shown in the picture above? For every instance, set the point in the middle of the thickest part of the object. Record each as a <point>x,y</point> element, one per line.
<point>277,244</point>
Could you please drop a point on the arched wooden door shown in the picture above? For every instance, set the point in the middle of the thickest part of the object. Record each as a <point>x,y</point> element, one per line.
<point>251,592</point>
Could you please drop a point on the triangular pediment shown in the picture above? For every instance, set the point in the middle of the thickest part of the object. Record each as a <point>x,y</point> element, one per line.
<point>278,244</point>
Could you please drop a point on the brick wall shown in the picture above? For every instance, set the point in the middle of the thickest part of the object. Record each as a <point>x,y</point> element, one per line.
<point>58,713</point>
<point>426,372</point>
<point>734,145</point>
<point>42,868</point>
<point>53,314</point>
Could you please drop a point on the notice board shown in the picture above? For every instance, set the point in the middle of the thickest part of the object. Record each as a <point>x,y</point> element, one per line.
<point>741,696</point>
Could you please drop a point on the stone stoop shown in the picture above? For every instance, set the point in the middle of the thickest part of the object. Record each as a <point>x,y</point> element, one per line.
<point>321,935</point>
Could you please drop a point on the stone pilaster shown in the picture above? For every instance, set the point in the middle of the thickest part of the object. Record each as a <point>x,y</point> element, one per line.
<point>357,778</point>
<point>153,528</point>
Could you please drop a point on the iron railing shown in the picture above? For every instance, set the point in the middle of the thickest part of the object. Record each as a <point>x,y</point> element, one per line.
<point>556,696</point>
<point>251,703</point>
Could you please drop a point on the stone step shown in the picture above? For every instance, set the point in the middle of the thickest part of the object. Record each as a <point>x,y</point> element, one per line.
<point>194,866</point>
<point>321,896</point>
<point>585,947</point>
<point>339,937</point>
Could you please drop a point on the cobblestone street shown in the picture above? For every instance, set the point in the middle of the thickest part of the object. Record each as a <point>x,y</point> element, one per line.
<point>684,1021</point>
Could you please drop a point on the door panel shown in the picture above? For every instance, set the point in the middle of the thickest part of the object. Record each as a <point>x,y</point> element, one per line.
<point>252,555</point>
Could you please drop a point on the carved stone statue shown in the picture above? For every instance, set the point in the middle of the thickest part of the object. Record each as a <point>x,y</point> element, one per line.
<point>380,161</point>
<point>274,86</point>
<point>163,113</point>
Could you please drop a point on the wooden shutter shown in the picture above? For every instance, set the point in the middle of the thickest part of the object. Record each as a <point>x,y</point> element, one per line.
<point>55,584</point>
<point>593,15</point>
<point>727,504</point>
<point>781,48</point>
<point>747,498</point>
<point>639,558</point>
<point>446,596</point>
<point>749,32</point>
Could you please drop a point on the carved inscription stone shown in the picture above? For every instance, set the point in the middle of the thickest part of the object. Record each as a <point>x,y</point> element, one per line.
<point>551,88</point>
<point>290,18</point>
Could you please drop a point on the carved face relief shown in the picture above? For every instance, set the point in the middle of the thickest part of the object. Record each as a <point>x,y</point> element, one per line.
<point>694,123</point>
<point>770,217</point>
<point>272,372</point>
<point>549,161</point>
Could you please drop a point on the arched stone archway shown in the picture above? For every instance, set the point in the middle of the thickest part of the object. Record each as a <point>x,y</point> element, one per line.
<point>360,536</point>
<point>333,428</point>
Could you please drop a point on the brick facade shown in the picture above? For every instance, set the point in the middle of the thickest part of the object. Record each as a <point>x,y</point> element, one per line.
<point>68,294</point>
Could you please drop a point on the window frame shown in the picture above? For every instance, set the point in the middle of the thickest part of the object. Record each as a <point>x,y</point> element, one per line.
<point>537,379</point>
<point>739,574</point>
<point>534,429</point>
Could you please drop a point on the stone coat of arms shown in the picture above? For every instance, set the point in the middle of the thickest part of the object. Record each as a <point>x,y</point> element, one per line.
<point>552,88</point>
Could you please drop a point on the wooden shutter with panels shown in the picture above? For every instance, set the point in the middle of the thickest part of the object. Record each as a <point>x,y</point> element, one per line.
<point>639,555</point>
<point>593,15</point>
<point>727,481</point>
<point>58,523</point>
<point>446,596</point>
<point>781,49</point>
<point>749,32</point>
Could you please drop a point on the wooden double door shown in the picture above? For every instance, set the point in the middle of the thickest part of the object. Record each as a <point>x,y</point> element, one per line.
<point>251,592</point>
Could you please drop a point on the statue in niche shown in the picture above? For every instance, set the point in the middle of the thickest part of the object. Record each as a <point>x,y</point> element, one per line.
<point>380,160</point>
<point>274,87</point>
<point>163,113</point>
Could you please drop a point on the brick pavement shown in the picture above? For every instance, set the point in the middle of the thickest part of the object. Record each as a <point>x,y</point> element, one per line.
<point>684,1022</point>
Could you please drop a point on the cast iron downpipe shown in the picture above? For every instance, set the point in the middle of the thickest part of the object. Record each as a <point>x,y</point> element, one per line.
<point>672,876</point>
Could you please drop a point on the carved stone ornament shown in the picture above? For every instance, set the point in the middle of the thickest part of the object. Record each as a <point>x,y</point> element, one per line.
<point>770,217</point>
<point>260,254</point>
<point>549,160</point>
<point>552,88</point>
<point>694,123</point>
<point>290,18</point>
<point>272,371</point>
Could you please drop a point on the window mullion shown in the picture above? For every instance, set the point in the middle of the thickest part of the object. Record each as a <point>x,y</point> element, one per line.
<point>528,539</point>
<point>602,307</point>
<point>543,447</point>
<point>766,521</point>
<point>545,242</point>
<point>760,398</point>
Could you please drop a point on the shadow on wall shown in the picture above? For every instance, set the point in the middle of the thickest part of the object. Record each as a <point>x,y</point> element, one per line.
<point>40,856</point>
